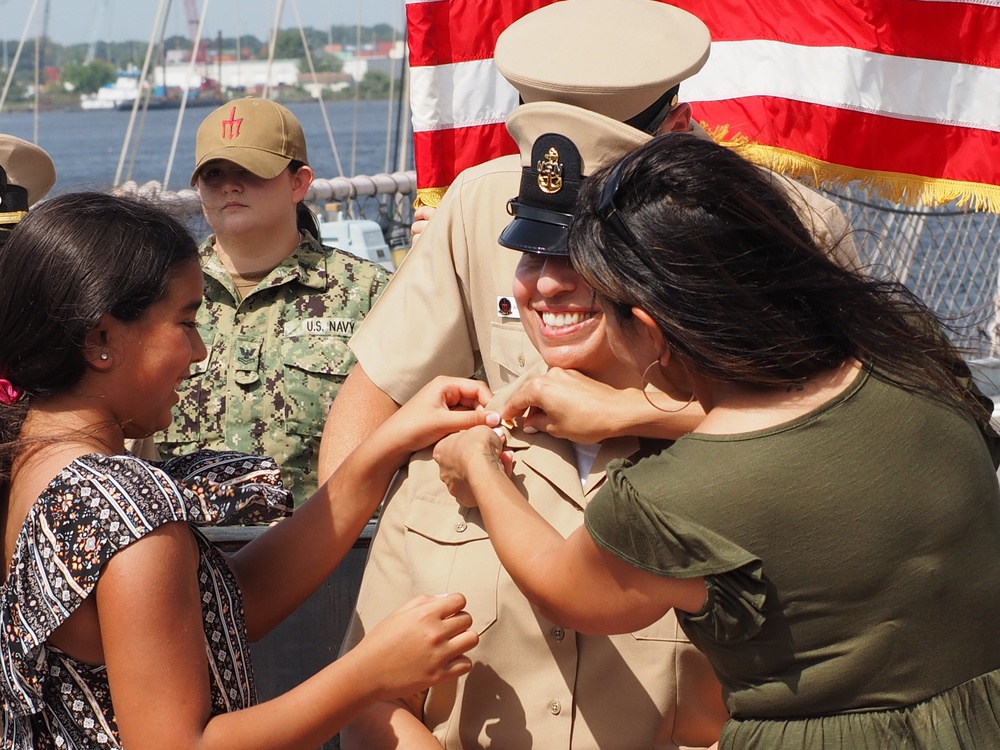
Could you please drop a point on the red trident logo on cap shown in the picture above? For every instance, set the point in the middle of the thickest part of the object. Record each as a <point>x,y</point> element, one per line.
<point>231,127</point>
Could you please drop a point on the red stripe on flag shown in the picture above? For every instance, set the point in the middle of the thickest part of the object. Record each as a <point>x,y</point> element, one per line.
<point>905,28</point>
<point>452,31</point>
<point>440,155</point>
<point>860,140</point>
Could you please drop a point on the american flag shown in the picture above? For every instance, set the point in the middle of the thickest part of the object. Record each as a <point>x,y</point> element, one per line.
<point>901,95</point>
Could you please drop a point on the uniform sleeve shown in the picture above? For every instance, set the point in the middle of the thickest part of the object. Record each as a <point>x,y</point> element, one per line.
<point>642,530</point>
<point>825,220</point>
<point>421,327</point>
<point>387,584</point>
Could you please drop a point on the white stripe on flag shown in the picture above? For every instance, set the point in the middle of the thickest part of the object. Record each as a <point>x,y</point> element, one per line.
<point>474,93</point>
<point>989,3</point>
<point>459,95</point>
<point>911,88</point>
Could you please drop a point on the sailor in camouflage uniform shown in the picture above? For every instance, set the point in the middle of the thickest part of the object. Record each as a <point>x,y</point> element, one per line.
<point>279,306</point>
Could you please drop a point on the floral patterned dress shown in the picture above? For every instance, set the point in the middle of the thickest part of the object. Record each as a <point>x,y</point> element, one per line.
<point>95,507</point>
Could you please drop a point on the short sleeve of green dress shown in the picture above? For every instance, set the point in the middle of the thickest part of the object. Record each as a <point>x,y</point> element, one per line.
<point>651,537</point>
<point>852,561</point>
<point>95,507</point>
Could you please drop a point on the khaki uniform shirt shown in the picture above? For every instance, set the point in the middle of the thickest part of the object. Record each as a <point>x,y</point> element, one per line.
<point>441,315</point>
<point>533,683</point>
<point>276,359</point>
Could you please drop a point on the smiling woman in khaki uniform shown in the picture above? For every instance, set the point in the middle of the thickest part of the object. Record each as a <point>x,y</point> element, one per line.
<point>441,315</point>
<point>533,682</point>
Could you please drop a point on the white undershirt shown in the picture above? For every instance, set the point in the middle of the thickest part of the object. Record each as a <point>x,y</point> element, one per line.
<point>586,454</point>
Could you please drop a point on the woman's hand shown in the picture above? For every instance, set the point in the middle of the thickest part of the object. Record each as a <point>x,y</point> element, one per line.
<point>420,644</point>
<point>565,404</point>
<point>443,406</point>
<point>570,405</point>
<point>460,455</point>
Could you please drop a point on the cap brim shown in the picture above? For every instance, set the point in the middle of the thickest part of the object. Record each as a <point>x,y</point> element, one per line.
<point>27,166</point>
<point>530,236</point>
<point>263,164</point>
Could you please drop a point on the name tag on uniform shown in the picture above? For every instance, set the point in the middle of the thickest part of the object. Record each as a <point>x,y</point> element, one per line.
<point>321,327</point>
<point>507,308</point>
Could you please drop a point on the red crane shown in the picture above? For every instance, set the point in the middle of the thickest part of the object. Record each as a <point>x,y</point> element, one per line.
<point>191,9</point>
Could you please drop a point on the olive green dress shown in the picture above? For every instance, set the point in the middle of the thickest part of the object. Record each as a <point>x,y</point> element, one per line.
<point>852,558</point>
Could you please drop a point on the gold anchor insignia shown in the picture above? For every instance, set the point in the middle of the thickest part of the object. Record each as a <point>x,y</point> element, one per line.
<point>550,172</point>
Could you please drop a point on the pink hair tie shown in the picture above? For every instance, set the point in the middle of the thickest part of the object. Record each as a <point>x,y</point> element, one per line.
<point>9,393</point>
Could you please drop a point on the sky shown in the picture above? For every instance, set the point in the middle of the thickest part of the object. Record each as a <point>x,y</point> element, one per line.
<point>83,21</point>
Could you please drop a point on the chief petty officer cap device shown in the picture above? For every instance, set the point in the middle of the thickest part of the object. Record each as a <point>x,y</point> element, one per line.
<point>559,145</point>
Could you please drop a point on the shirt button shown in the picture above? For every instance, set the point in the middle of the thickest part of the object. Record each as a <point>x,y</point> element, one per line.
<point>558,633</point>
<point>460,526</point>
<point>555,708</point>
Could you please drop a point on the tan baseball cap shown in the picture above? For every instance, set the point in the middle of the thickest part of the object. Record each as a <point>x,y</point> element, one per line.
<point>258,134</point>
<point>27,166</point>
<point>616,58</point>
<point>559,145</point>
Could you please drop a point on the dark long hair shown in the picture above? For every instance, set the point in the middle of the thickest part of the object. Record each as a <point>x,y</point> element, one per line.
<point>71,260</point>
<point>710,246</point>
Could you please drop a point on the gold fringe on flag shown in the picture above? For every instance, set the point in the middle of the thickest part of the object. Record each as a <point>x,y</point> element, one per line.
<point>429,197</point>
<point>903,189</point>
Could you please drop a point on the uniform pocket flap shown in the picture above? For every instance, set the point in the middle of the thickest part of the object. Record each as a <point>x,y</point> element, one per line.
<point>445,523</point>
<point>327,356</point>
<point>510,347</point>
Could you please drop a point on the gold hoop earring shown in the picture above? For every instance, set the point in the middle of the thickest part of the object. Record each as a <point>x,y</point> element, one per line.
<point>649,401</point>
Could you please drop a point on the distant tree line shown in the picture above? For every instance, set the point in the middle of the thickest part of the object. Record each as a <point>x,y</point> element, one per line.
<point>108,57</point>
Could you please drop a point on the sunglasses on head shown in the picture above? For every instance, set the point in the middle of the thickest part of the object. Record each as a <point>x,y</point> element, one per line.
<point>607,209</point>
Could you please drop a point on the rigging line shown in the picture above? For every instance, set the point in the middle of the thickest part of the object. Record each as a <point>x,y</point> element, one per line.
<point>279,6</point>
<point>147,95</point>
<point>392,98</point>
<point>357,92</point>
<point>159,22</point>
<point>402,111</point>
<point>138,135</point>
<point>17,54</point>
<point>319,91</point>
<point>92,47</point>
<point>144,93</point>
<point>195,44</point>
<point>239,48</point>
<point>38,51</point>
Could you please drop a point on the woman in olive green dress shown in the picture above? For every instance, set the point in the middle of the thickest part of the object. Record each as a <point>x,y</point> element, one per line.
<point>830,533</point>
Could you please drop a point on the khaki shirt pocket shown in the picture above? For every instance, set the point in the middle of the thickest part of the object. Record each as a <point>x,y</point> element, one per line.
<point>313,371</point>
<point>665,629</point>
<point>190,424</point>
<point>511,349</point>
<point>449,550</point>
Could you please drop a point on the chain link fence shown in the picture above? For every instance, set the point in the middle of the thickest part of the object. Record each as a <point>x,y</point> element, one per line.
<point>946,256</point>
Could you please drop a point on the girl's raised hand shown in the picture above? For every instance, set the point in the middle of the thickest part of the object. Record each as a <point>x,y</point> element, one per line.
<point>419,645</point>
<point>443,406</point>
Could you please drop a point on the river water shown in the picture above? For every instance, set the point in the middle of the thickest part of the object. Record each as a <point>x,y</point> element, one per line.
<point>86,146</point>
<point>951,261</point>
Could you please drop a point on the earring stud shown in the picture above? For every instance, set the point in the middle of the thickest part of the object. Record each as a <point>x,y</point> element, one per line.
<point>104,356</point>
